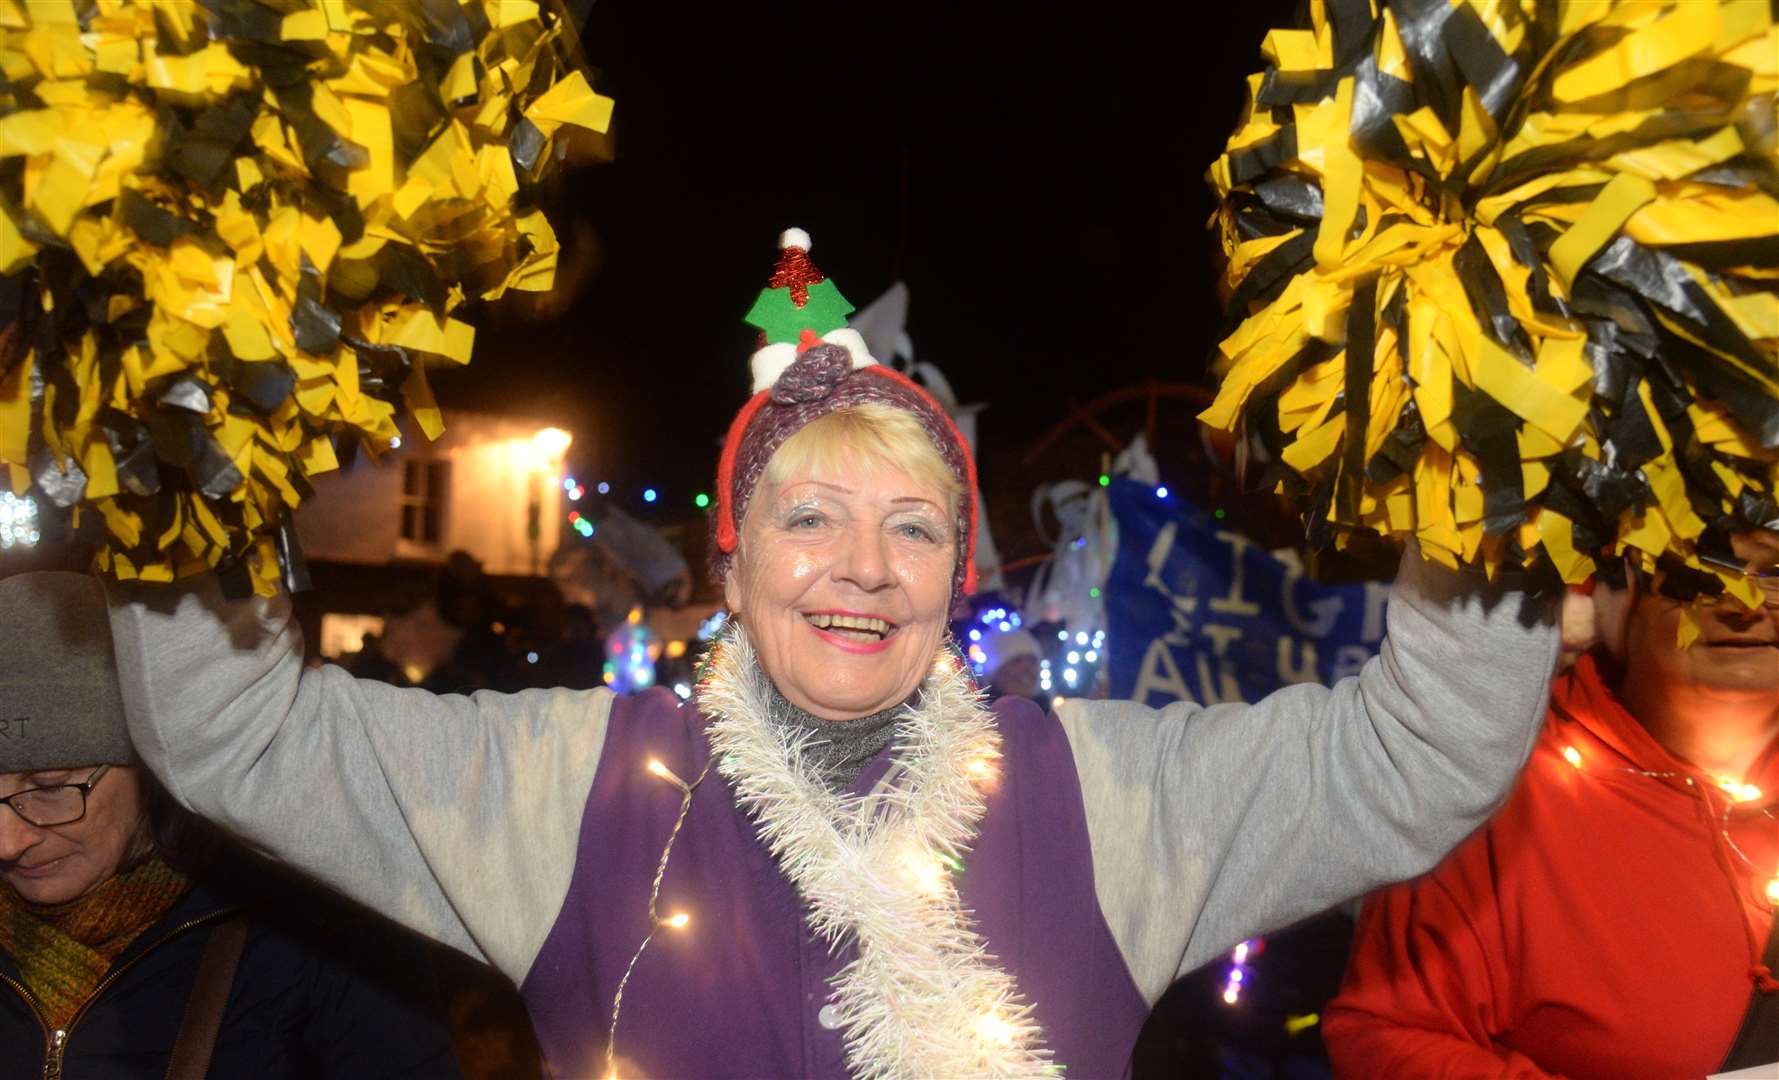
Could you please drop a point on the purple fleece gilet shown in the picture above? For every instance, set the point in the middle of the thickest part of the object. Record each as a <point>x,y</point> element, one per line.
<point>739,992</point>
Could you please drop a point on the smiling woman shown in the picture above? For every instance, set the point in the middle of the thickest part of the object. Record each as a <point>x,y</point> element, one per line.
<point>834,859</point>
<point>844,568</point>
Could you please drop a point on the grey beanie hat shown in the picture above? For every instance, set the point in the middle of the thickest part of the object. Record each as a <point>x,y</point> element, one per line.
<point>60,706</point>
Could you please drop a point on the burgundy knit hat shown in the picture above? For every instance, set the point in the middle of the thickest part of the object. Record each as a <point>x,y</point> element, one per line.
<point>809,364</point>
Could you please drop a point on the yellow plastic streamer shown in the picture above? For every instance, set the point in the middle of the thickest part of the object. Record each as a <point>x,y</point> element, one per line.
<point>164,163</point>
<point>1628,123</point>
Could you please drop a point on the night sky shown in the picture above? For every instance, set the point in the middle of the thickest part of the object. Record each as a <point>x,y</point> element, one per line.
<point>1034,175</point>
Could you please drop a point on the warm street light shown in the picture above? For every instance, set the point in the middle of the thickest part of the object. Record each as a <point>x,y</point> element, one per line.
<point>551,444</point>
<point>548,447</point>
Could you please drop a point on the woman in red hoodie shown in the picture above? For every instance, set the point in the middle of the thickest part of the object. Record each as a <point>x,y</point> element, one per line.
<point>1615,918</point>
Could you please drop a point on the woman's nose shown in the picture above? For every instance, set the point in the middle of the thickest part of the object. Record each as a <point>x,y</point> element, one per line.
<point>1733,615</point>
<point>865,560</point>
<point>17,835</point>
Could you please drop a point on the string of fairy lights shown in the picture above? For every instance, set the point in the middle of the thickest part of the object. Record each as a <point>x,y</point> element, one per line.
<point>679,920</point>
<point>1239,973</point>
<point>575,491</point>
<point>1075,656</point>
<point>1736,791</point>
<point>1235,977</point>
<point>19,526</point>
<point>928,871</point>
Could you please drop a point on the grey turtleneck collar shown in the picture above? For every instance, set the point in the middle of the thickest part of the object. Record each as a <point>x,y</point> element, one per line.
<point>839,749</point>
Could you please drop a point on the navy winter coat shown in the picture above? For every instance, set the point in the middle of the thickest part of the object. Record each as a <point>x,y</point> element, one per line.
<point>295,1009</point>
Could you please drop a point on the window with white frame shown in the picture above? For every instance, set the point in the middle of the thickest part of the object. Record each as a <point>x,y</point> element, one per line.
<point>425,484</point>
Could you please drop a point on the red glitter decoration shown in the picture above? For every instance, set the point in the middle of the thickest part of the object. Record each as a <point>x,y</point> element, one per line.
<point>795,272</point>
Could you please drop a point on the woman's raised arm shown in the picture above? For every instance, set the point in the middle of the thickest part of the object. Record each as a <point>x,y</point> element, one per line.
<point>1212,825</point>
<point>456,816</point>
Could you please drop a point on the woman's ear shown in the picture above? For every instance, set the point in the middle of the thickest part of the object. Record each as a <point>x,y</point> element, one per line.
<point>731,589</point>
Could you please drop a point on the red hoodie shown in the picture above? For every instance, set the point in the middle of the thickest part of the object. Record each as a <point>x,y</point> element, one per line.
<point>1602,924</point>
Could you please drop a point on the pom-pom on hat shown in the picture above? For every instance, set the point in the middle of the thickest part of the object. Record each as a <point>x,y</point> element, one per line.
<point>809,364</point>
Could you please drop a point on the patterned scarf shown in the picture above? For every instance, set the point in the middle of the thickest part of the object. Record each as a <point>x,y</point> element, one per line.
<point>63,950</point>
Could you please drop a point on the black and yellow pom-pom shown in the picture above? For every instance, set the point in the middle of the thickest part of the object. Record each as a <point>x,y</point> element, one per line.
<point>1504,277</point>
<point>235,234</point>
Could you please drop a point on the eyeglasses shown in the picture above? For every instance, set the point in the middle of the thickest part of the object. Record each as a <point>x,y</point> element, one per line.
<point>1767,581</point>
<point>57,804</point>
<point>1765,577</point>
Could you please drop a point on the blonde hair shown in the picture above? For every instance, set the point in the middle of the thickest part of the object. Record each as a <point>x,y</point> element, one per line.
<point>871,437</point>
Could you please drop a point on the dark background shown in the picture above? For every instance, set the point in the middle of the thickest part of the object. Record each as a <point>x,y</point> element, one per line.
<point>1035,173</point>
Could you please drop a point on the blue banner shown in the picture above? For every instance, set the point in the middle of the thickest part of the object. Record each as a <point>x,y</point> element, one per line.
<point>1196,612</point>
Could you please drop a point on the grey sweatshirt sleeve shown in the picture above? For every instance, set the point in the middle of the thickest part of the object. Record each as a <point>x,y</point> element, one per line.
<point>1212,825</point>
<point>456,816</point>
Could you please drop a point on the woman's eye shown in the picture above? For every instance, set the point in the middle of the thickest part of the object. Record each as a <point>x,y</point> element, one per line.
<point>806,521</point>
<point>916,532</point>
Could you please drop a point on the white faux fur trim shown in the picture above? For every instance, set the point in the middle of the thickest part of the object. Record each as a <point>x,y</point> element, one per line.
<point>923,997</point>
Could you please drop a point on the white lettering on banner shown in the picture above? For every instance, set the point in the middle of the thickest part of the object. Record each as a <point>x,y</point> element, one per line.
<point>1204,652</point>
<point>1183,607</point>
<point>1158,553</point>
<point>1376,597</point>
<point>1227,687</point>
<point>1303,671</point>
<point>1160,675</point>
<point>1182,611</point>
<point>1327,609</point>
<point>1234,603</point>
<point>1348,659</point>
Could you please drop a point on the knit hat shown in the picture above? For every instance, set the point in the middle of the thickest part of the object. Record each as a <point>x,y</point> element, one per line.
<point>809,364</point>
<point>60,706</point>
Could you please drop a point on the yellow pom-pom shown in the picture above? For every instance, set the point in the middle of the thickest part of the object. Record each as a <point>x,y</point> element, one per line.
<point>1521,308</point>
<point>212,323</point>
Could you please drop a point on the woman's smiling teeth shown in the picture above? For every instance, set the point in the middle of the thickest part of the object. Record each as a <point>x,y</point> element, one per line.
<point>852,627</point>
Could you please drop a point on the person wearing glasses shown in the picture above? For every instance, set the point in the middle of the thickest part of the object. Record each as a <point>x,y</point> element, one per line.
<point>129,944</point>
<point>1615,919</point>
